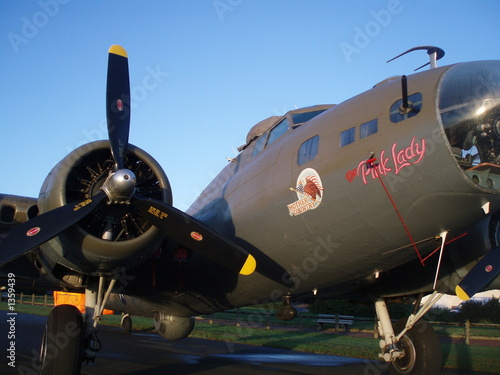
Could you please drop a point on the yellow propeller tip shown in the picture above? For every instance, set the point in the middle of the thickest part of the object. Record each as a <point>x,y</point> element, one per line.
<point>118,50</point>
<point>461,293</point>
<point>249,266</point>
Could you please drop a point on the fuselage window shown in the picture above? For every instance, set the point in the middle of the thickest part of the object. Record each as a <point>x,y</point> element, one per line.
<point>347,137</point>
<point>398,113</point>
<point>259,144</point>
<point>277,131</point>
<point>368,128</point>
<point>308,150</point>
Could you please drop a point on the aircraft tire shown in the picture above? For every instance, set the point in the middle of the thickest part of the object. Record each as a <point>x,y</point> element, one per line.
<point>62,344</point>
<point>423,351</point>
<point>127,324</point>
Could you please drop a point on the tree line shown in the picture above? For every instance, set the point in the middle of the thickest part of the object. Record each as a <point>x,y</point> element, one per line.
<point>475,311</point>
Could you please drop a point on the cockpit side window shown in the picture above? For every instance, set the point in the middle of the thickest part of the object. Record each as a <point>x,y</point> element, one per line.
<point>278,131</point>
<point>308,150</point>
<point>270,136</point>
<point>300,118</point>
<point>260,143</point>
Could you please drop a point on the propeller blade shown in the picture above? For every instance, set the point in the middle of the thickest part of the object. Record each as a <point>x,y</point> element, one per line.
<point>195,235</point>
<point>118,103</point>
<point>487,269</point>
<point>42,228</point>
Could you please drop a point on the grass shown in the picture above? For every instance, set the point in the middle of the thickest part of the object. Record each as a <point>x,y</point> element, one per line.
<point>28,309</point>
<point>458,356</point>
<point>311,342</point>
<point>308,321</point>
<point>471,357</point>
<point>477,332</point>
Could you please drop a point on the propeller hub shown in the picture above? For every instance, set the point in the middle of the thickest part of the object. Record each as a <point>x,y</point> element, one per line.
<point>120,186</point>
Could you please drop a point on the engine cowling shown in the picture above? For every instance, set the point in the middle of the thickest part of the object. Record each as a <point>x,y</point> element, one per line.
<point>114,236</point>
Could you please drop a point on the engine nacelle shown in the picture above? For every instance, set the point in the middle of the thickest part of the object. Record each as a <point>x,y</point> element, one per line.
<point>14,210</point>
<point>173,327</point>
<point>114,236</point>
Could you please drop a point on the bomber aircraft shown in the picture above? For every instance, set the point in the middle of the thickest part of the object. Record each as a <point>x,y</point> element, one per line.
<point>391,195</point>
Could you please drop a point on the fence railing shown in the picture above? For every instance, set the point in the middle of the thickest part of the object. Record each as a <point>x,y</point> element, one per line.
<point>35,300</point>
<point>266,317</point>
<point>305,320</point>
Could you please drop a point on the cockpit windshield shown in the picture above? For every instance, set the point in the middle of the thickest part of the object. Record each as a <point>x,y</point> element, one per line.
<point>469,104</point>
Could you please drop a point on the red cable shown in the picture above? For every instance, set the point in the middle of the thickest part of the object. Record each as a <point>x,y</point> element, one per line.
<point>371,162</point>
<point>446,243</point>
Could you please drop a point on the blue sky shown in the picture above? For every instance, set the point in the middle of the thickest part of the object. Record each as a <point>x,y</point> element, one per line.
<point>203,72</point>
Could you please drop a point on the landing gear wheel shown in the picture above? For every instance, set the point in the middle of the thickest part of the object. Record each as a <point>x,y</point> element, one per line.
<point>423,354</point>
<point>62,344</point>
<point>127,324</point>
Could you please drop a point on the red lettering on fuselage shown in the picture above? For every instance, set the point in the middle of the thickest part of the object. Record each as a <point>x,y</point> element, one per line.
<point>395,162</point>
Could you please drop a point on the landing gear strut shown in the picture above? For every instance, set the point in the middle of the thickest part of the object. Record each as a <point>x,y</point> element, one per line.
<point>411,346</point>
<point>287,311</point>
<point>94,306</point>
<point>126,323</point>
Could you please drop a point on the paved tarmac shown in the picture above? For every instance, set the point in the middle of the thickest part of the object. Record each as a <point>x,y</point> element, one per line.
<point>148,353</point>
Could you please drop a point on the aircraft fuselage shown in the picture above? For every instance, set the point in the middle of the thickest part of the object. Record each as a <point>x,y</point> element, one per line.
<point>382,185</point>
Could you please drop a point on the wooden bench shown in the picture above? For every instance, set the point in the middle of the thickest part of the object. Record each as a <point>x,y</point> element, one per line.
<point>338,320</point>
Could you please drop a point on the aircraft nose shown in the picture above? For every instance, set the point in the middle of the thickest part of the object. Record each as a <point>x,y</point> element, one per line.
<point>469,105</point>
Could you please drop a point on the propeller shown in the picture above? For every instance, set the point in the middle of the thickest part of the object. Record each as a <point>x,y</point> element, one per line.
<point>195,235</point>
<point>119,188</point>
<point>485,271</point>
<point>120,185</point>
<point>43,228</point>
<point>118,103</point>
